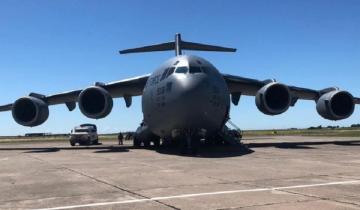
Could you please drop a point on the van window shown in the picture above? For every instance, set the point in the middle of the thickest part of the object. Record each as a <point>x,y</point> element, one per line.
<point>181,69</point>
<point>82,130</point>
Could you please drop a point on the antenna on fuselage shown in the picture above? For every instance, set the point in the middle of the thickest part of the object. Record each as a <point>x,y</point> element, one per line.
<point>178,45</point>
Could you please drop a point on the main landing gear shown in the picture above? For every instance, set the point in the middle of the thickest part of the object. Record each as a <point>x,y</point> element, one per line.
<point>190,143</point>
<point>138,142</point>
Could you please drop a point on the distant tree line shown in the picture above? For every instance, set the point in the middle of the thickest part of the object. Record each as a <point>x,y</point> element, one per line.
<point>332,127</point>
<point>42,134</point>
<point>313,128</point>
<point>321,127</point>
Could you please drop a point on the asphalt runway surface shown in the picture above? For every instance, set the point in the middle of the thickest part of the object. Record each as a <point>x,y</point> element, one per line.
<point>273,173</point>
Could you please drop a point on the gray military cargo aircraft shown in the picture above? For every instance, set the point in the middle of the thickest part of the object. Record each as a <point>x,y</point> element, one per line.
<point>186,97</point>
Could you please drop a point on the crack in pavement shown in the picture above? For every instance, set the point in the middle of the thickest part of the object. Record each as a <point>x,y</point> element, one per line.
<point>267,204</point>
<point>117,187</point>
<point>319,197</point>
<point>52,197</point>
<point>343,176</point>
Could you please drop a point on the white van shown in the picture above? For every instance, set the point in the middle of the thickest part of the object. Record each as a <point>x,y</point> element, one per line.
<point>85,134</point>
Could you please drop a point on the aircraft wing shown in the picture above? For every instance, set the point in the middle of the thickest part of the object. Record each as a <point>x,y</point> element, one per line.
<point>274,98</point>
<point>357,100</point>
<point>128,87</point>
<point>250,87</point>
<point>6,107</point>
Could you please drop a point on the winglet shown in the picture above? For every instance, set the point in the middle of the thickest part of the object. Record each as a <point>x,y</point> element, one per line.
<point>178,45</point>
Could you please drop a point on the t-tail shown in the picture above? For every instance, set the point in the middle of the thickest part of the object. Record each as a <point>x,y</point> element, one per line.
<point>178,45</point>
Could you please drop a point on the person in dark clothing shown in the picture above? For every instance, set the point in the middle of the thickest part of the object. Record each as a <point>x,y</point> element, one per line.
<point>120,138</point>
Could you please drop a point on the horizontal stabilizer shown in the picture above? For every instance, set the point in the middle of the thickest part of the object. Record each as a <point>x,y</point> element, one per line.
<point>150,48</point>
<point>205,47</point>
<point>178,45</point>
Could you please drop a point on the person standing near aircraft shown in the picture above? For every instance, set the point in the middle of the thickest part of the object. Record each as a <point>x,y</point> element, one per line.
<point>120,138</point>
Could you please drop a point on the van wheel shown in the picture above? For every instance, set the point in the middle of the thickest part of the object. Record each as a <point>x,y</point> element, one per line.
<point>88,142</point>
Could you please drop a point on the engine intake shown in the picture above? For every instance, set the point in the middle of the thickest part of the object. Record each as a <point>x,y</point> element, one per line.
<point>273,99</point>
<point>30,111</point>
<point>335,105</point>
<point>95,102</point>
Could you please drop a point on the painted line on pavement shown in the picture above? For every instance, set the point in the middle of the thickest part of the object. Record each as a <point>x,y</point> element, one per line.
<point>204,194</point>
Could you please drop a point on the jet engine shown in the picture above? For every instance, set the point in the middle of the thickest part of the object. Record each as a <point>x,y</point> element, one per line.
<point>273,99</point>
<point>30,111</point>
<point>335,105</point>
<point>95,102</point>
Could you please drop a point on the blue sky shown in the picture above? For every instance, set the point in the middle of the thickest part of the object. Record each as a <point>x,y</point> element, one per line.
<point>54,46</point>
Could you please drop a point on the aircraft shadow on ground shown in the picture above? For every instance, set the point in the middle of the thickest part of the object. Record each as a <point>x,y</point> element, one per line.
<point>97,149</point>
<point>246,149</point>
<point>204,151</point>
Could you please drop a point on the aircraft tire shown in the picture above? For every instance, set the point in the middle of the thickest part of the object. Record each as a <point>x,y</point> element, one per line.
<point>195,145</point>
<point>136,142</point>
<point>147,143</point>
<point>156,142</point>
<point>88,142</point>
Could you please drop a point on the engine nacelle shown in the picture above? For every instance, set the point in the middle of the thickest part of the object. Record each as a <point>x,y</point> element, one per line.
<point>274,98</point>
<point>30,111</point>
<point>95,102</point>
<point>335,105</point>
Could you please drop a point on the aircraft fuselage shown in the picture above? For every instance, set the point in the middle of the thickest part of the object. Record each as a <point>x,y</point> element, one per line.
<point>186,93</point>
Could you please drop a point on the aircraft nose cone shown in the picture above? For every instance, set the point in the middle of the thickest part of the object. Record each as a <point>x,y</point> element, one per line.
<point>194,86</point>
<point>194,107</point>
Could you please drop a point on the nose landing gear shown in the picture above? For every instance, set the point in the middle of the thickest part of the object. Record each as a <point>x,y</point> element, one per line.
<point>190,143</point>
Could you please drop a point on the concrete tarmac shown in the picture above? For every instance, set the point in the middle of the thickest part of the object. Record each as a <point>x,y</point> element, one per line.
<point>273,173</point>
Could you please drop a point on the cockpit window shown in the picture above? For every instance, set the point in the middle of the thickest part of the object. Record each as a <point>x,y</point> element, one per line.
<point>195,69</point>
<point>163,76</point>
<point>205,70</point>
<point>181,69</point>
<point>171,70</point>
